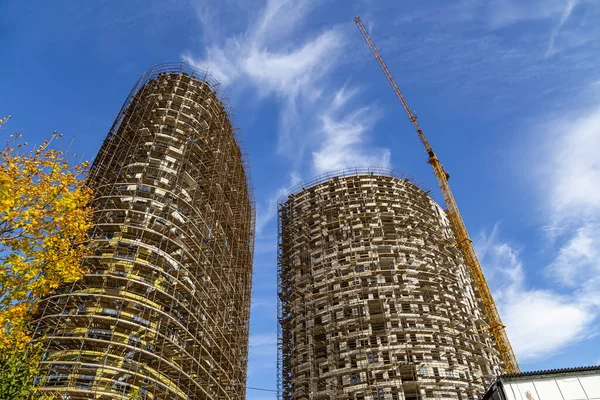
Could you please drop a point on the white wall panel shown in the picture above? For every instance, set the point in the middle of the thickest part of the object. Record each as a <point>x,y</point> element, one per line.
<point>547,389</point>
<point>591,385</point>
<point>571,389</point>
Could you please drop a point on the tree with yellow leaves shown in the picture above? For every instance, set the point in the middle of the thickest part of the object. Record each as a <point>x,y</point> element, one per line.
<point>44,219</point>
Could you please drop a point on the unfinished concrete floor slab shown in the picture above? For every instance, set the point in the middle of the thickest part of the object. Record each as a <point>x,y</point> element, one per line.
<point>164,309</point>
<point>375,301</point>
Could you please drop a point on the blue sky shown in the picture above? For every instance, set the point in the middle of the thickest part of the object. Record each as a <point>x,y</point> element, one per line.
<point>507,91</point>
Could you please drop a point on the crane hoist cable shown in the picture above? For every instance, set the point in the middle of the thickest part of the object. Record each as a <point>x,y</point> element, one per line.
<point>464,242</point>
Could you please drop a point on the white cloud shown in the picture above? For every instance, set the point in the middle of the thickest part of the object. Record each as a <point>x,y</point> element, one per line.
<point>540,323</point>
<point>501,262</point>
<point>568,9</point>
<point>269,58</point>
<point>251,54</point>
<point>263,344</point>
<point>567,171</point>
<point>265,214</point>
<point>567,21</point>
<point>343,137</point>
<point>578,259</point>
<point>569,166</point>
<point>567,181</point>
<point>553,320</point>
<point>561,164</point>
<point>275,57</point>
<point>502,13</point>
<point>560,24</point>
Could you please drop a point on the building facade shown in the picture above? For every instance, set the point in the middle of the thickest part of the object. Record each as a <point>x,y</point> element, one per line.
<point>375,301</point>
<point>163,312</point>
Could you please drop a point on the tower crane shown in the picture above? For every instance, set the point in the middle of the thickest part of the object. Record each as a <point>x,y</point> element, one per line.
<point>464,242</point>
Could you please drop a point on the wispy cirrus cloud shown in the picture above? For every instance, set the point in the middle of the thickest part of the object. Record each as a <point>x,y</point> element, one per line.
<point>263,344</point>
<point>267,212</point>
<point>499,49</point>
<point>562,33</point>
<point>502,13</point>
<point>344,135</point>
<point>271,58</point>
<point>567,11</point>
<point>275,56</point>
<point>567,177</point>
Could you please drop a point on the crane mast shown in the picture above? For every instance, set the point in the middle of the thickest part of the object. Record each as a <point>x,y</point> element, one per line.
<point>464,242</point>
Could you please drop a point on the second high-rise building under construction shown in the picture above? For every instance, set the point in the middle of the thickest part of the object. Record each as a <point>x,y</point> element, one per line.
<point>163,312</point>
<point>375,300</point>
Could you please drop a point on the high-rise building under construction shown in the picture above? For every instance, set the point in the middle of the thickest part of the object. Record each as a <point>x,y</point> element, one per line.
<point>375,301</point>
<point>163,311</point>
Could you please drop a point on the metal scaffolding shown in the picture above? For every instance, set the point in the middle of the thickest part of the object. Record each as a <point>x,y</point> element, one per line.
<point>164,308</point>
<point>375,300</point>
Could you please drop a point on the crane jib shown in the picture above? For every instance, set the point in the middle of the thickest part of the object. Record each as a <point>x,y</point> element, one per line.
<point>489,306</point>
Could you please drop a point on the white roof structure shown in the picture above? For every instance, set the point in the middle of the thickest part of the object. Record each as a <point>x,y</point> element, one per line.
<point>581,383</point>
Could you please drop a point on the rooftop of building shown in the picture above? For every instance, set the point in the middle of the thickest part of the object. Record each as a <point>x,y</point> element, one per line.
<point>349,172</point>
<point>548,372</point>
